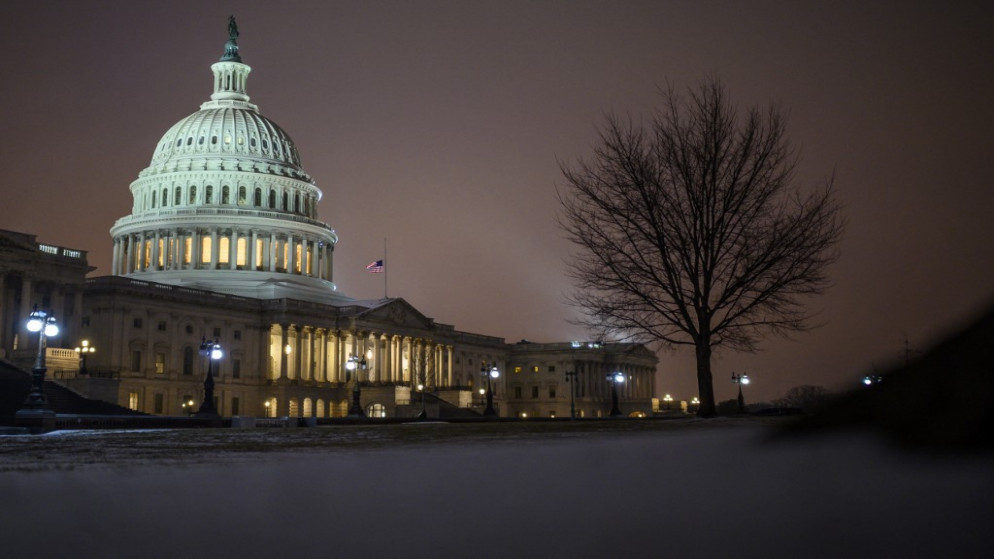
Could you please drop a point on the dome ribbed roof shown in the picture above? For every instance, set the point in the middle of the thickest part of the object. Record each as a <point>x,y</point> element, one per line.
<point>227,132</point>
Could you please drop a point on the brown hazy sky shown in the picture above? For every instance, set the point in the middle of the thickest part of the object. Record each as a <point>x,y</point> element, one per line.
<point>438,126</point>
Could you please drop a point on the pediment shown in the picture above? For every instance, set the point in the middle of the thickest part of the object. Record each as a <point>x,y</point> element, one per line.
<point>396,314</point>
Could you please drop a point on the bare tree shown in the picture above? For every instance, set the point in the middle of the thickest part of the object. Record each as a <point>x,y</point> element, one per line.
<point>691,230</point>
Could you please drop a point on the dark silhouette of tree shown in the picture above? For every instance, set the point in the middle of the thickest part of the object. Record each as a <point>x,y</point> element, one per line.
<point>805,397</point>
<point>691,229</point>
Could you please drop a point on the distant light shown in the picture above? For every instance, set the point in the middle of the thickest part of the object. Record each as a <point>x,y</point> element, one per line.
<point>576,344</point>
<point>745,379</point>
<point>288,349</point>
<point>216,352</point>
<point>494,373</point>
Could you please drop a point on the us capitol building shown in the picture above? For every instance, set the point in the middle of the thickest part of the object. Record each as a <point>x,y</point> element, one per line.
<point>224,243</point>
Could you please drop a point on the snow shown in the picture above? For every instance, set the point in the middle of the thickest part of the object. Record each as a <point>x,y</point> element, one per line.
<point>713,492</point>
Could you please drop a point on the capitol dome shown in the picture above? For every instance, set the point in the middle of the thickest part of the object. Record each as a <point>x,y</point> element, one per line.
<point>225,204</point>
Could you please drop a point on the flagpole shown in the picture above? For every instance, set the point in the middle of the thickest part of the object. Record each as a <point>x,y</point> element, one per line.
<point>385,268</point>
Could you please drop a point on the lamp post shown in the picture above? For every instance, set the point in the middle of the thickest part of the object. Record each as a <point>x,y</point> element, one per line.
<point>423,414</point>
<point>353,364</point>
<point>490,372</point>
<point>615,379</point>
<point>83,350</point>
<point>571,379</point>
<point>668,402</point>
<point>740,380</point>
<point>35,412</point>
<point>213,352</point>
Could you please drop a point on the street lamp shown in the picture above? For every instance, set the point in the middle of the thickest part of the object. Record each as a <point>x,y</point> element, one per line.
<point>35,409</point>
<point>84,349</point>
<point>267,405</point>
<point>354,364</point>
<point>213,352</point>
<point>571,379</point>
<point>615,379</point>
<point>490,372</point>
<point>740,380</point>
<point>669,401</point>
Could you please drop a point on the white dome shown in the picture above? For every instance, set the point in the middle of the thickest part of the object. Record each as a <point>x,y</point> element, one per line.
<point>225,205</point>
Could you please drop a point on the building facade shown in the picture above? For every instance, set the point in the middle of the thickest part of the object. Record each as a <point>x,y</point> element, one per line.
<point>224,245</point>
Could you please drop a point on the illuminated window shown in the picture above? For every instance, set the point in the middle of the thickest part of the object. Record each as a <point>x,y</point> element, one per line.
<point>298,250</point>
<point>205,250</point>
<point>161,259</point>
<point>535,369</point>
<point>133,401</point>
<point>160,363</point>
<point>517,369</point>
<point>147,256</point>
<point>227,139</point>
<point>224,249</point>
<point>187,249</point>
<point>258,253</point>
<point>241,252</point>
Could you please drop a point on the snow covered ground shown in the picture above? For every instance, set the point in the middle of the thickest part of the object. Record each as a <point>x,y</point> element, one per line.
<point>403,491</point>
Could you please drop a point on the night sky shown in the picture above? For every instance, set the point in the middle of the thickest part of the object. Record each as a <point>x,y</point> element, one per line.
<point>440,126</point>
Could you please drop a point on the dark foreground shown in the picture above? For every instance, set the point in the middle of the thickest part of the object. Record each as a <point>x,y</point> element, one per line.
<point>691,488</point>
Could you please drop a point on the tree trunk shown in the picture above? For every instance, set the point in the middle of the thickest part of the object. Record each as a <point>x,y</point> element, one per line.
<point>705,385</point>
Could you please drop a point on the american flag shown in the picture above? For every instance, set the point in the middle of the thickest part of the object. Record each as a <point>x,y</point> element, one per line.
<point>375,267</point>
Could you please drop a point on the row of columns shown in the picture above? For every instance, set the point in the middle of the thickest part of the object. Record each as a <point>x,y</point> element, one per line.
<point>319,354</point>
<point>179,249</point>
<point>592,381</point>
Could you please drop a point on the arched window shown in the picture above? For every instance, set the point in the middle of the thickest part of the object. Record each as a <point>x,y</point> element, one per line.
<point>225,195</point>
<point>286,202</point>
<point>193,195</point>
<point>257,202</point>
<point>165,196</point>
<point>296,203</point>
<point>272,199</point>
<point>152,196</point>
<point>209,195</point>
<point>178,198</point>
<point>241,195</point>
